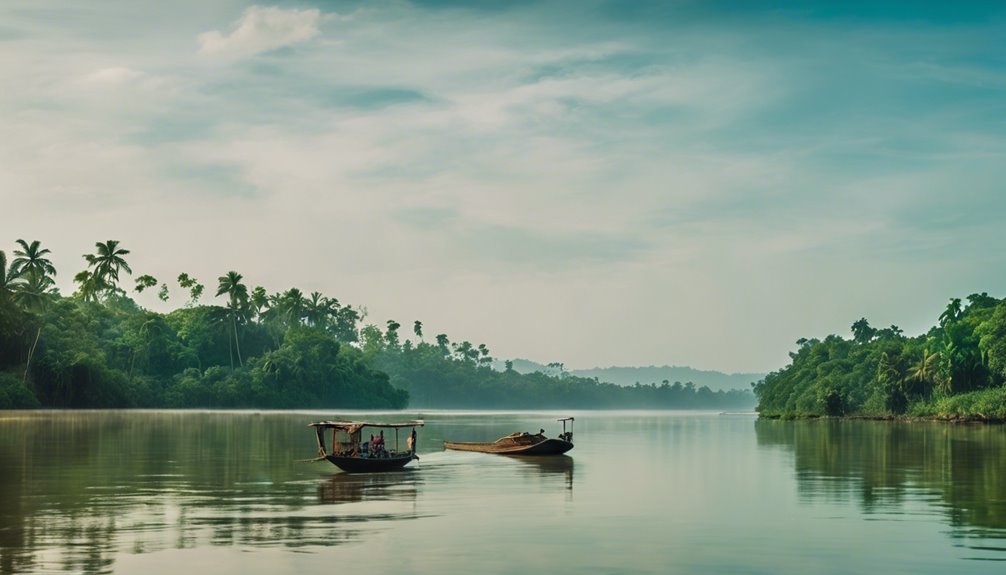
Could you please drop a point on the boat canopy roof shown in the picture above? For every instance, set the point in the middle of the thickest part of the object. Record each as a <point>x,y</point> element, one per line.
<point>354,426</point>
<point>566,419</point>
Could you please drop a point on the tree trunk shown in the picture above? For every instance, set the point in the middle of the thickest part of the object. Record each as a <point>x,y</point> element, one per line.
<point>237,343</point>
<point>31,352</point>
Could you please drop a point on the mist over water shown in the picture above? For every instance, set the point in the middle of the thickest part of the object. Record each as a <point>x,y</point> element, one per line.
<point>642,492</point>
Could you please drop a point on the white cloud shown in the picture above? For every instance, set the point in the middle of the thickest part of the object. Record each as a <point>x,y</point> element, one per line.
<point>260,29</point>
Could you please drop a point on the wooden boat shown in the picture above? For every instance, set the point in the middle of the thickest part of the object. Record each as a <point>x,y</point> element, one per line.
<point>352,454</point>
<point>521,443</point>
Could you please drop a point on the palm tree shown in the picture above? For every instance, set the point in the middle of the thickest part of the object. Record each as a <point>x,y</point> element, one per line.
<point>316,310</point>
<point>7,276</point>
<point>291,304</point>
<point>925,370</point>
<point>107,263</point>
<point>237,294</point>
<point>30,279</point>
<point>89,287</point>
<point>259,301</point>
<point>32,293</point>
<point>952,313</point>
<point>31,260</point>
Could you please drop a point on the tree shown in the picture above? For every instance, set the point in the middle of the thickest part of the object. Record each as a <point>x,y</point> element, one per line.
<point>143,282</point>
<point>952,313</point>
<point>862,332</point>
<point>31,260</point>
<point>316,310</point>
<point>32,294</point>
<point>259,301</point>
<point>32,273</point>
<point>290,306</point>
<point>484,357</point>
<point>417,328</point>
<point>391,335</point>
<point>237,294</point>
<point>993,340</point>
<point>107,263</point>
<point>346,318</point>
<point>891,377</point>
<point>89,288</point>
<point>892,332</point>
<point>442,341</point>
<point>924,371</point>
<point>195,288</point>
<point>7,275</point>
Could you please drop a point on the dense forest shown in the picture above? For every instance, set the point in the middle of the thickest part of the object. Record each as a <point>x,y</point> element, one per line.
<point>99,348</point>
<point>955,370</point>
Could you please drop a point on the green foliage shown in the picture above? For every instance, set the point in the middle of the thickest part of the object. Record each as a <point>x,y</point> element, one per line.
<point>81,352</point>
<point>143,282</point>
<point>882,373</point>
<point>986,404</point>
<point>107,262</point>
<point>100,349</point>
<point>14,394</point>
<point>992,342</point>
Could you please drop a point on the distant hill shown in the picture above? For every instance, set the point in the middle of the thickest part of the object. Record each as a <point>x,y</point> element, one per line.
<point>715,380</point>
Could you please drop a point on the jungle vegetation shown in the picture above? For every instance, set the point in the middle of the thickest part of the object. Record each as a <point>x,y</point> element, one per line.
<point>253,349</point>
<point>957,369</point>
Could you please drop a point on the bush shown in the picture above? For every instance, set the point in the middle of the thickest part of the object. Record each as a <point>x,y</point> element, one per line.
<point>14,394</point>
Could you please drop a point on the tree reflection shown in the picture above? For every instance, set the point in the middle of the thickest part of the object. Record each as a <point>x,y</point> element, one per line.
<point>79,489</point>
<point>959,470</point>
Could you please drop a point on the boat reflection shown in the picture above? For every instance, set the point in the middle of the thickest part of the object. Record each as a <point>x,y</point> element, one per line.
<point>547,466</point>
<point>355,488</point>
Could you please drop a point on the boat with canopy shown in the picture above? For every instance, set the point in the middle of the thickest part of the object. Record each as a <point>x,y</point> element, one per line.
<point>522,443</point>
<point>354,454</point>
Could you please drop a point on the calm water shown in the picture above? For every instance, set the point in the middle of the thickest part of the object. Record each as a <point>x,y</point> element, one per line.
<point>166,492</point>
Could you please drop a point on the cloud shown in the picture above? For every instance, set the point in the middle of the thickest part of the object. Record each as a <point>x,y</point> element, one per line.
<point>260,29</point>
<point>687,180</point>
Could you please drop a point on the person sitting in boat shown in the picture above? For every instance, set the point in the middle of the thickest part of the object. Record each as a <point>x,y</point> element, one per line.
<point>411,441</point>
<point>379,451</point>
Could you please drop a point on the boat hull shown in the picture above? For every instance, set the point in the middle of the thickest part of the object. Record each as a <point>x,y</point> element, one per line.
<point>547,447</point>
<point>370,464</point>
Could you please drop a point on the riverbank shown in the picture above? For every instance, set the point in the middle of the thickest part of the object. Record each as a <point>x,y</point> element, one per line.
<point>983,406</point>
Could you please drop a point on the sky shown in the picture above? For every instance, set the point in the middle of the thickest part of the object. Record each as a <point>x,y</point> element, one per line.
<point>595,183</point>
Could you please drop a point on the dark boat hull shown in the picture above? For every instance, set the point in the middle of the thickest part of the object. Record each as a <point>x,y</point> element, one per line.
<point>547,447</point>
<point>369,464</point>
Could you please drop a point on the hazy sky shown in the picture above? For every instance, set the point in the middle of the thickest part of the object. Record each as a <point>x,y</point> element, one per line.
<point>595,183</point>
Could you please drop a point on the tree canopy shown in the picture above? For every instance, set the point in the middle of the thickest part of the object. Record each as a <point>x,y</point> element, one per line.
<point>256,348</point>
<point>883,372</point>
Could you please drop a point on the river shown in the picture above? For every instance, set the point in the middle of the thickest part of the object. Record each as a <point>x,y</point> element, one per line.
<point>643,492</point>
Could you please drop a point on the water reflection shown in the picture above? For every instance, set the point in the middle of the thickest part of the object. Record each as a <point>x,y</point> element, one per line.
<point>78,489</point>
<point>547,465</point>
<point>355,488</point>
<point>957,472</point>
